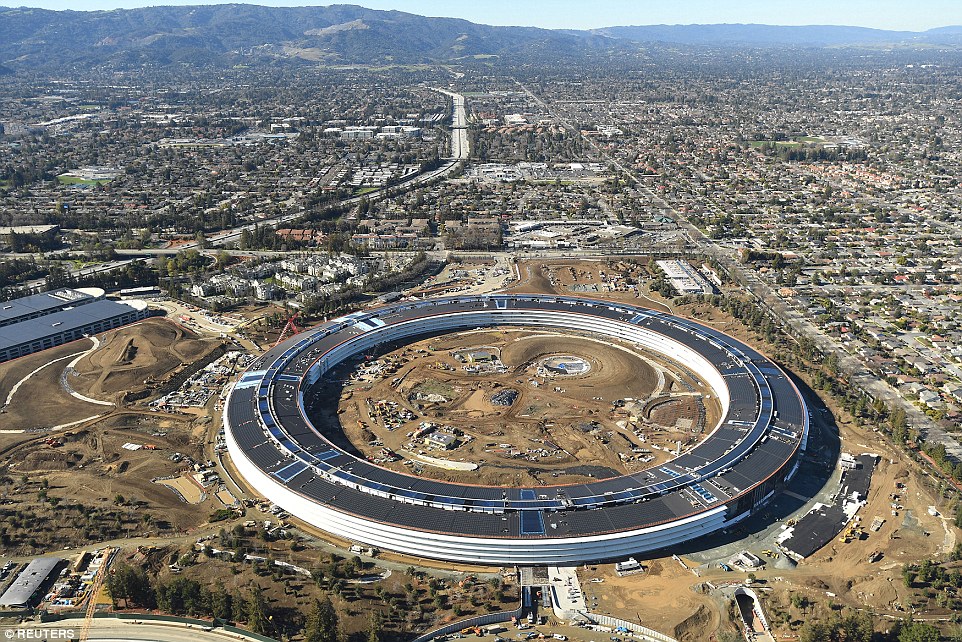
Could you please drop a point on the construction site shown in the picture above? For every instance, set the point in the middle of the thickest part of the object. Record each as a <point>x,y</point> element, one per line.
<point>516,406</point>
<point>81,450</point>
<point>89,460</point>
<point>877,520</point>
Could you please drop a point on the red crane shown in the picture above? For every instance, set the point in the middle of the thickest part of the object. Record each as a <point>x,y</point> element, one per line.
<point>291,327</point>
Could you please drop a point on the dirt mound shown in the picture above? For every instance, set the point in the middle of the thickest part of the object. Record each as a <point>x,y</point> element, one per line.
<point>615,373</point>
<point>534,281</point>
<point>695,626</point>
<point>137,356</point>
<point>43,460</point>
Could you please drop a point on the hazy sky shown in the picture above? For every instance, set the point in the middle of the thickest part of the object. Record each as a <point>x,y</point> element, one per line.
<point>915,15</point>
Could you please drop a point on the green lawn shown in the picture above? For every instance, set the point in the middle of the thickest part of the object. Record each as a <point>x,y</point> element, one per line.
<point>361,191</point>
<point>73,180</point>
<point>777,143</point>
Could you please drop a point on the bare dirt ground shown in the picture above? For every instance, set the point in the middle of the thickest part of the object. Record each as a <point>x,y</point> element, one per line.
<point>455,277</point>
<point>138,356</point>
<point>661,599</point>
<point>81,485</point>
<point>672,600</point>
<point>62,486</point>
<point>612,280</point>
<point>40,401</point>
<point>558,429</point>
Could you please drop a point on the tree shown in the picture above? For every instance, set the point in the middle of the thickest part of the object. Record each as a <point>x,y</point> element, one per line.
<point>815,632</point>
<point>246,239</point>
<point>899,423</point>
<point>256,612</point>
<point>131,585</point>
<point>918,632</point>
<point>319,577</point>
<point>322,622</point>
<point>374,630</point>
<point>221,604</point>
<point>853,628</point>
<point>856,628</point>
<point>908,576</point>
<point>221,261</point>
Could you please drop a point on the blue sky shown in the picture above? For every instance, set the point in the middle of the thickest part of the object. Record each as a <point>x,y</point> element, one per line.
<point>915,15</point>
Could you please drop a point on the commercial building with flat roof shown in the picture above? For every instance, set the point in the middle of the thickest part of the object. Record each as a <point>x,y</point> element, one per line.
<point>23,591</point>
<point>43,321</point>
<point>747,457</point>
<point>38,305</point>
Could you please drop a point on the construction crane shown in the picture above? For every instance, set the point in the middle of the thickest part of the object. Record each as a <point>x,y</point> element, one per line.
<point>291,327</point>
<point>95,587</point>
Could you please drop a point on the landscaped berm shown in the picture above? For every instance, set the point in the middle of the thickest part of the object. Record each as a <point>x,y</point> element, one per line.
<point>143,355</point>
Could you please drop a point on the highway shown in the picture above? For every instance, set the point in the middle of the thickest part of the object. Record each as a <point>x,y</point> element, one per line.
<point>797,324</point>
<point>82,272</point>
<point>460,144</point>
<point>460,152</point>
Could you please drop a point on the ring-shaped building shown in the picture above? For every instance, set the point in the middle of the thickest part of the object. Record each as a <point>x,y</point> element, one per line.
<point>735,469</point>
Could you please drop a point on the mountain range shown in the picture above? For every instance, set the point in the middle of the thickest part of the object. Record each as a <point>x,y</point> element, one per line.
<point>223,35</point>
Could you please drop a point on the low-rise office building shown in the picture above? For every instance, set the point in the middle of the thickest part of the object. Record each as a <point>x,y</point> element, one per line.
<point>43,321</point>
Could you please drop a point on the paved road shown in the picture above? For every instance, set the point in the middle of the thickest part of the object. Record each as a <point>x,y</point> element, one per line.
<point>460,152</point>
<point>113,629</point>
<point>460,144</point>
<point>86,271</point>
<point>797,324</point>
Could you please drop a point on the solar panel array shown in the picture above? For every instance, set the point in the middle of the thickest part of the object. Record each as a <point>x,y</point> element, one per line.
<point>756,439</point>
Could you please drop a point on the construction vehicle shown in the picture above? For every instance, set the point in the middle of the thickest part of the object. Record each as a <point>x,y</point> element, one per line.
<point>850,533</point>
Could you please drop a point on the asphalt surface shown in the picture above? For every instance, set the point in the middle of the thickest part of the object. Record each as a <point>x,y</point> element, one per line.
<point>113,629</point>
<point>797,323</point>
<point>460,152</point>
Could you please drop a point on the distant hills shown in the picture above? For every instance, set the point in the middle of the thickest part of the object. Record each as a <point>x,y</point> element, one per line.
<point>775,36</point>
<point>244,34</point>
<point>224,35</point>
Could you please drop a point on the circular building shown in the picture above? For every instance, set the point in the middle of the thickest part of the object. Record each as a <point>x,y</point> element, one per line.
<point>736,469</point>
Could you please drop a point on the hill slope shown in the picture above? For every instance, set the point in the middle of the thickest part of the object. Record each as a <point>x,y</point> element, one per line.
<point>224,35</point>
<point>778,36</point>
<point>231,34</point>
